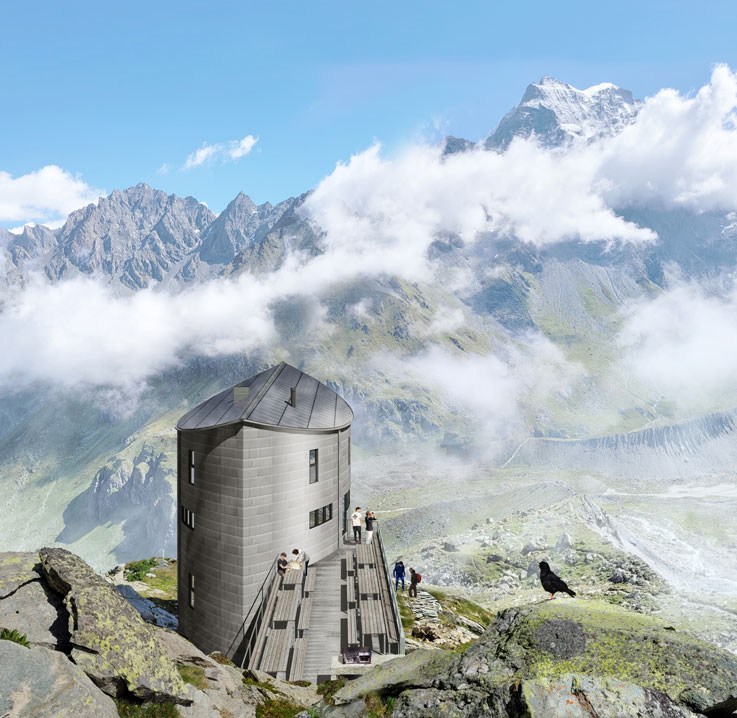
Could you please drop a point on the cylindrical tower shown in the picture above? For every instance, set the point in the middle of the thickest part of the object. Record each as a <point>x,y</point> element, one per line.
<point>263,467</point>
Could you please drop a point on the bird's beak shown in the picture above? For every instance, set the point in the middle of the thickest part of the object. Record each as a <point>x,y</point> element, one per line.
<point>537,562</point>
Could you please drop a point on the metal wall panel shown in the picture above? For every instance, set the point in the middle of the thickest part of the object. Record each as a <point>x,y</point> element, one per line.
<point>252,499</point>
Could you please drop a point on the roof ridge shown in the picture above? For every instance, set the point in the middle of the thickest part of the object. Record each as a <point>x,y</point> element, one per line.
<point>260,395</point>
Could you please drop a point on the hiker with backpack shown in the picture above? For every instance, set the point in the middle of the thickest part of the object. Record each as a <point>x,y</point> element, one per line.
<point>414,579</point>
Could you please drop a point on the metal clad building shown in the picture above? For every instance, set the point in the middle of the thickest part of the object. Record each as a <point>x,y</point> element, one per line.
<point>263,467</point>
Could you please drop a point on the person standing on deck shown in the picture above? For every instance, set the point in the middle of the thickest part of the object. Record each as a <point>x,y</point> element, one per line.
<point>357,522</point>
<point>370,518</point>
<point>398,574</point>
<point>413,583</point>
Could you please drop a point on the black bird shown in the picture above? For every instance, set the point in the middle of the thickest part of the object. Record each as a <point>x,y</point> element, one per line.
<point>551,583</point>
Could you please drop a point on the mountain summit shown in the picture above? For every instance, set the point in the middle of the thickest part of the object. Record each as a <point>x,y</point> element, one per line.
<point>557,113</point>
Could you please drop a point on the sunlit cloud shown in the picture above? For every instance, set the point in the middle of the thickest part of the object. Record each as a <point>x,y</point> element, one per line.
<point>43,196</point>
<point>222,152</point>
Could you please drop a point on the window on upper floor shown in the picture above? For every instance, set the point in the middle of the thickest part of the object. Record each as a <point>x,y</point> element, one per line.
<point>191,466</point>
<point>321,516</point>
<point>313,466</point>
<point>191,590</point>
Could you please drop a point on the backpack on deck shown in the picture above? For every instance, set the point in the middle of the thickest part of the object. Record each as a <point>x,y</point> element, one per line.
<point>419,577</point>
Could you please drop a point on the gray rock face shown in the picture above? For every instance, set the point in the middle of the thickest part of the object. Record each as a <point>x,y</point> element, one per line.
<point>240,224</point>
<point>584,696</point>
<point>112,644</point>
<point>40,682</point>
<point>135,236</point>
<point>139,481</point>
<point>28,605</point>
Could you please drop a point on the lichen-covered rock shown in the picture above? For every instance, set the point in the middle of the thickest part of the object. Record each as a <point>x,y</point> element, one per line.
<point>28,605</point>
<point>419,669</point>
<point>112,644</point>
<point>556,659</point>
<point>575,696</point>
<point>16,569</point>
<point>40,682</point>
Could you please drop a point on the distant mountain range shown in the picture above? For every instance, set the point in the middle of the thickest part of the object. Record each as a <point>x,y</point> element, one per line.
<point>73,471</point>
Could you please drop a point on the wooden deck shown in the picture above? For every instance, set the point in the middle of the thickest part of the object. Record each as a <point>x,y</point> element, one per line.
<point>323,633</point>
<point>343,600</point>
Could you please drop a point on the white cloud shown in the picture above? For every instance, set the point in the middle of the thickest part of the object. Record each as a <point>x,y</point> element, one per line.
<point>240,148</point>
<point>496,389</point>
<point>80,332</point>
<point>683,344</point>
<point>391,210</point>
<point>679,151</point>
<point>204,154</point>
<point>223,151</point>
<point>43,196</point>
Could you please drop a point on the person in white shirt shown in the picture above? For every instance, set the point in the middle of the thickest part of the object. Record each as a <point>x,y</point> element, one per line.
<point>301,557</point>
<point>357,522</point>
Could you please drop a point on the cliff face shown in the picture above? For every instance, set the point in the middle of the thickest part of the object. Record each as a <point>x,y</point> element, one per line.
<point>556,658</point>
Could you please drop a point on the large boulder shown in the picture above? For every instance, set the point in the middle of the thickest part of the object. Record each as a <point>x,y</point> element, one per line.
<point>39,682</point>
<point>558,658</point>
<point>119,651</point>
<point>28,605</point>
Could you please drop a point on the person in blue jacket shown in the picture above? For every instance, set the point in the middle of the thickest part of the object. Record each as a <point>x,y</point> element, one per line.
<point>398,574</point>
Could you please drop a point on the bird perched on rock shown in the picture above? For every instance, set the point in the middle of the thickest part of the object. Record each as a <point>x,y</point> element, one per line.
<point>552,583</point>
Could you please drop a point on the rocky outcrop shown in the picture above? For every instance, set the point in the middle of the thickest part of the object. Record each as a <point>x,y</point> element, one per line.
<point>554,658</point>
<point>39,682</point>
<point>103,649</point>
<point>110,641</point>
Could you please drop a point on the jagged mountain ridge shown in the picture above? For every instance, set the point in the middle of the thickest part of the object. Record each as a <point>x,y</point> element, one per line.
<point>142,236</point>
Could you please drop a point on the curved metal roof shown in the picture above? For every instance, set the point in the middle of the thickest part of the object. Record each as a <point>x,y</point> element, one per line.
<point>265,399</point>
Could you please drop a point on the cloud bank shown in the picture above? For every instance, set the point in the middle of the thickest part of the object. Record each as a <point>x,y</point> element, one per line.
<point>684,344</point>
<point>44,196</point>
<point>380,215</point>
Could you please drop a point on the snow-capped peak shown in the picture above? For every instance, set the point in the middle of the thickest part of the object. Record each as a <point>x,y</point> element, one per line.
<point>557,114</point>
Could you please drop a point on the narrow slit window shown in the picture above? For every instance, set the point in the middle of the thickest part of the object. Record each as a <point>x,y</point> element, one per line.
<point>191,467</point>
<point>188,517</point>
<point>313,466</point>
<point>191,590</point>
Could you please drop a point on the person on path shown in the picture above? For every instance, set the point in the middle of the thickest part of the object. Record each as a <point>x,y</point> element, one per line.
<point>370,518</point>
<point>398,574</point>
<point>281,564</point>
<point>413,583</point>
<point>301,557</point>
<point>357,522</point>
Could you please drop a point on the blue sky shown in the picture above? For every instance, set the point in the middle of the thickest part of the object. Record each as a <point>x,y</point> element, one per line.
<point>113,93</point>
